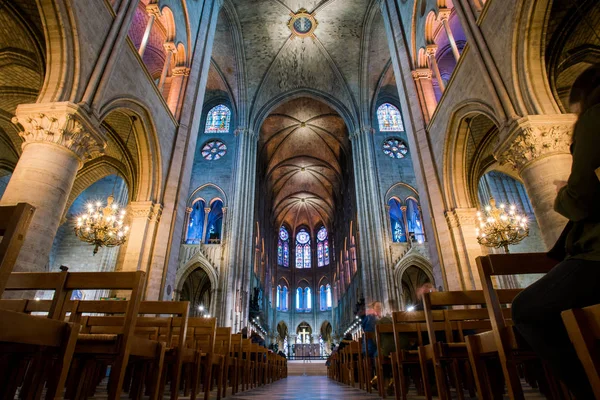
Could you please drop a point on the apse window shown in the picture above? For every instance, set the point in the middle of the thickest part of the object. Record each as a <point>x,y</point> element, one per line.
<point>395,148</point>
<point>389,118</point>
<point>303,258</point>
<point>283,248</point>
<point>322,247</point>
<point>218,119</point>
<point>214,150</point>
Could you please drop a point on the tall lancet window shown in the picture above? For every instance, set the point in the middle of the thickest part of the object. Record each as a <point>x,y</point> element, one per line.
<point>397,221</point>
<point>196,223</point>
<point>303,249</point>
<point>308,299</point>
<point>389,118</point>
<point>322,247</point>
<point>218,119</point>
<point>283,248</point>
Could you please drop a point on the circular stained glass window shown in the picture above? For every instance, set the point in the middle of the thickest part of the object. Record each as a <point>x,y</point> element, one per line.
<point>283,234</point>
<point>322,234</point>
<point>395,148</point>
<point>302,237</point>
<point>214,150</point>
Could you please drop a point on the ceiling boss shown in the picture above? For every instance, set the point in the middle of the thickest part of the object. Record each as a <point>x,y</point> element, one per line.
<point>302,24</point>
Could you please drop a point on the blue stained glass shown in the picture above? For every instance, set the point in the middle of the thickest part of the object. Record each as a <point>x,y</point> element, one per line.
<point>218,119</point>
<point>277,302</point>
<point>308,299</point>
<point>303,257</point>
<point>280,253</point>
<point>320,254</point>
<point>322,247</point>
<point>397,221</point>
<point>328,295</point>
<point>389,118</point>
<point>326,247</point>
<point>286,254</point>
<point>299,263</point>
<point>283,248</point>
<point>306,256</point>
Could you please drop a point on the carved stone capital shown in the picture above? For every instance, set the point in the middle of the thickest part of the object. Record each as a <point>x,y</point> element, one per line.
<point>535,137</point>
<point>181,71</point>
<point>145,210</point>
<point>444,14</point>
<point>189,210</point>
<point>64,124</point>
<point>461,217</point>
<point>431,49</point>
<point>421,73</point>
<point>153,10</point>
<point>244,131</point>
<point>170,47</point>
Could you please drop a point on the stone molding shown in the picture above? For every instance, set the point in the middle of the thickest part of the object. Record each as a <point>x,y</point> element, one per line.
<point>536,137</point>
<point>431,49</point>
<point>181,71</point>
<point>365,130</point>
<point>64,124</point>
<point>461,217</point>
<point>245,131</point>
<point>152,9</point>
<point>145,209</point>
<point>444,14</point>
<point>422,73</point>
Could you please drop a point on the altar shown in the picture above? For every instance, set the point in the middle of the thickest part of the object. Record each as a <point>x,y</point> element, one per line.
<point>308,350</point>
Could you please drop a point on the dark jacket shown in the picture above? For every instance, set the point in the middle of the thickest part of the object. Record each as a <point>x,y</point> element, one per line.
<point>579,200</point>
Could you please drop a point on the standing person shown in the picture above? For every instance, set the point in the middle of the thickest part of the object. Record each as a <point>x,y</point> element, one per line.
<point>575,281</point>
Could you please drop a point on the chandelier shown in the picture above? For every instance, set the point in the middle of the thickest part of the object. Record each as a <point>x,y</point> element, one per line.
<point>501,227</point>
<point>102,226</point>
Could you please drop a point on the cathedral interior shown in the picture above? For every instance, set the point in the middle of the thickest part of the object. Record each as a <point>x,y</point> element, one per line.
<point>282,163</point>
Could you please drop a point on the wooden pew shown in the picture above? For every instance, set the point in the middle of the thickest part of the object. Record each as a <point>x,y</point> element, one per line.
<point>583,326</point>
<point>503,340</point>
<point>41,346</point>
<point>201,337</point>
<point>367,363</point>
<point>223,348</point>
<point>237,364</point>
<point>250,374</point>
<point>410,325</point>
<point>382,360</point>
<point>110,340</point>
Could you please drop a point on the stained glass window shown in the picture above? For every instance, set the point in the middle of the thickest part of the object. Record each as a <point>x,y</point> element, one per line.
<point>299,305</point>
<point>277,298</point>
<point>283,248</point>
<point>395,148</point>
<point>322,298</point>
<point>218,119</point>
<point>284,299</point>
<point>389,118</point>
<point>214,150</point>
<point>303,257</point>
<point>308,300</point>
<point>322,247</point>
<point>196,223</point>
<point>397,221</point>
<point>328,296</point>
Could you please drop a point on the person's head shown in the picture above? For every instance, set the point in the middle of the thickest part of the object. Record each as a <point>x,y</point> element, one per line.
<point>425,288</point>
<point>376,307</point>
<point>585,92</point>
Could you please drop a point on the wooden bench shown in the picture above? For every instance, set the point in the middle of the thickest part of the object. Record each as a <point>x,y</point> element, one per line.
<point>34,351</point>
<point>583,326</point>
<point>201,337</point>
<point>503,341</point>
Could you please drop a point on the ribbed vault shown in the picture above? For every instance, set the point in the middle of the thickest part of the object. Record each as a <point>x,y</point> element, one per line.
<point>303,146</point>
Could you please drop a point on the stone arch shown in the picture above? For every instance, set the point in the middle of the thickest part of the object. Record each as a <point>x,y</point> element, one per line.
<point>401,191</point>
<point>431,26</point>
<point>529,58</point>
<point>145,162</point>
<point>196,262</point>
<point>456,174</point>
<point>347,115</point>
<point>411,259</point>
<point>208,200</point>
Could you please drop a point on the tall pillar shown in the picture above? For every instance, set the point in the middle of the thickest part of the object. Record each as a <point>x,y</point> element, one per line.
<point>186,224</point>
<point>462,224</point>
<point>236,278</point>
<point>444,16</point>
<point>374,259</point>
<point>537,147</point>
<point>431,50</point>
<point>58,139</point>
<point>424,85</point>
<point>178,82</point>
<point>153,12</point>
<point>205,237</point>
<point>169,49</point>
<point>144,217</point>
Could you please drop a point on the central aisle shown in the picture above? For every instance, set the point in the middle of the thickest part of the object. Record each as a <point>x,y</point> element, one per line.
<point>306,388</point>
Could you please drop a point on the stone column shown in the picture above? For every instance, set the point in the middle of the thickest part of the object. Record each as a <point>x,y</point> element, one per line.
<point>537,147</point>
<point>178,83</point>
<point>205,226</point>
<point>424,85</point>
<point>186,224</point>
<point>58,139</point>
<point>431,50</point>
<point>154,12</point>
<point>169,49</point>
<point>462,224</point>
<point>144,217</point>
<point>405,221</point>
<point>444,16</point>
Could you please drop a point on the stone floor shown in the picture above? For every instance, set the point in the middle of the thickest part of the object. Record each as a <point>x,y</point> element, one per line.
<point>305,388</point>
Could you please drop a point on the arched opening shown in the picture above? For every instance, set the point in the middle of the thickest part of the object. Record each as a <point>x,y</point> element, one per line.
<point>304,334</point>
<point>397,220</point>
<point>214,223</point>
<point>197,289</point>
<point>195,228</point>
<point>326,337</point>
<point>282,337</point>
<point>412,279</point>
<point>70,251</point>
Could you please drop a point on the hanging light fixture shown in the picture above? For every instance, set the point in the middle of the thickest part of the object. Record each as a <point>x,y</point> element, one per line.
<point>498,227</point>
<point>501,227</point>
<point>104,226</point>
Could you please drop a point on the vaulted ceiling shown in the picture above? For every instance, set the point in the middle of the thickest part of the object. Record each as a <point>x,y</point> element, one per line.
<point>304,147</point>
